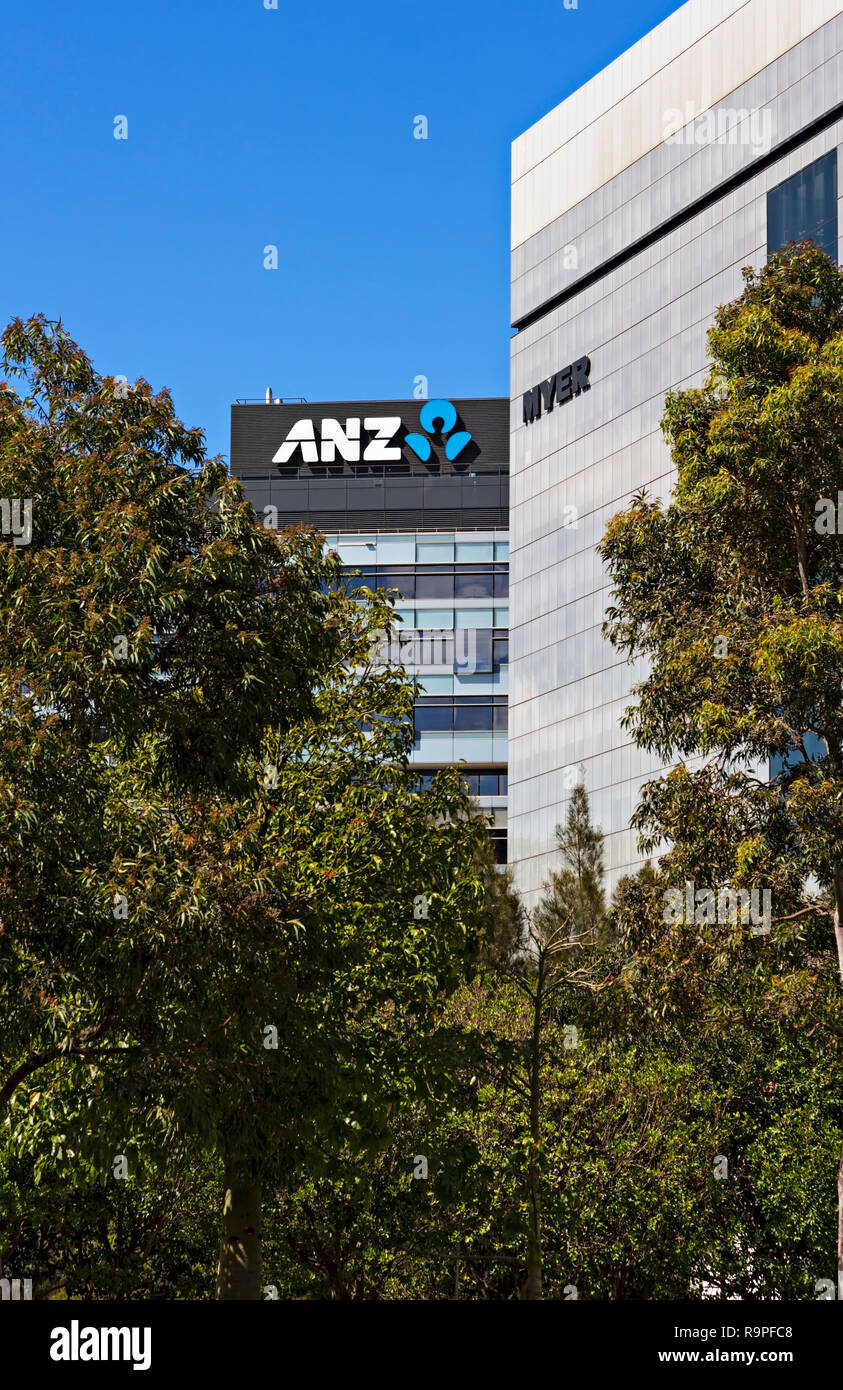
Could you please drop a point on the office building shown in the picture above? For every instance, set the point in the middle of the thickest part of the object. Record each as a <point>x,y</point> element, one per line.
<point>635,205</point>
<point>414,495</point>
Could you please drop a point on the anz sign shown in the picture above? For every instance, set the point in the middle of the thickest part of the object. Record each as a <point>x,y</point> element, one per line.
<point>378,439</point>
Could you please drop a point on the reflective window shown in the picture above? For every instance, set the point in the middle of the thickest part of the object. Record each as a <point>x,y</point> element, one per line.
<point>473,718</point>
<point>366,578</point>
<point>434,617</point>
<point>435,585</point>
<point>393,579</point>
<point>805,206</point>
<point>471,584</point>
<point>465,714</point>
<point>428,717</point>
<point>474,550</point>
<point>473,617</point>
<point>435,552</point>
<point>437,685</point>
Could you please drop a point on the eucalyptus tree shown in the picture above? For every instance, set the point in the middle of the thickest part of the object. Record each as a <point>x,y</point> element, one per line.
<point>733,593</point>
<point>226,921</point>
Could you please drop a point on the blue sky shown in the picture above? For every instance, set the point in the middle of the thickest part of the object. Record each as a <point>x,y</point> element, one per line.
<point>292,127</point>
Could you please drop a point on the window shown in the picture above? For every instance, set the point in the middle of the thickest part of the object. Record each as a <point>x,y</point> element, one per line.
<point>474,550</point>
<point>473,718</point>
<point>805,206</point>
<point>433,582</point>
<point>483,783</point>
<point>434,618</point>
<point>430,718</point>
<point>435,552</point>
<point>471,584</point>
<point>435,585</point>
<point>462,713</point>
<point>476,618</point>
<point>437,685</point>
<point>500,652</point>
<point>394,579</point>
<point>498,838</point>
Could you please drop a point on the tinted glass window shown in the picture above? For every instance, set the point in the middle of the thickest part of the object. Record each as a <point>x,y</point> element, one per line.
<point>473,585</point>
<point>805,206</point>
<point>473,718</point>
<point>404,583</point>
<point>434,586</point>
<point>433,717</point>
<point>501,586</point>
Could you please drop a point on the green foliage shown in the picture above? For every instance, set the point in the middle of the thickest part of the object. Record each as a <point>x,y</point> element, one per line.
<point>210,840</point>
<point>212,844</point>
<point>574,893</point>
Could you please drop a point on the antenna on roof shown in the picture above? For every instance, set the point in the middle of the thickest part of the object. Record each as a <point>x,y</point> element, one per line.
<point>268,397</point>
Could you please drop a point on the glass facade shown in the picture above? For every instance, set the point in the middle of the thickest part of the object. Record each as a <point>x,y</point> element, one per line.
<point>451,593</point>
<point>804,207</point>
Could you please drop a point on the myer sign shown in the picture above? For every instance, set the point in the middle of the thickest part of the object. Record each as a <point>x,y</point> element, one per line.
<point>558,389</point>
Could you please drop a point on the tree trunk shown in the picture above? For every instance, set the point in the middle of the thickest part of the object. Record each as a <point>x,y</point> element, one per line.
<point>840,1228</point>
<point>838,920</point>
<point>802,557</point>
<point>534,1236</point>
<point>533,1289</point>
<point>239,1268</point>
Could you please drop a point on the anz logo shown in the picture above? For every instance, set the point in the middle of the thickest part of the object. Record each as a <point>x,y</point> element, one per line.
<point>374,438</point>
<point>446,414</point>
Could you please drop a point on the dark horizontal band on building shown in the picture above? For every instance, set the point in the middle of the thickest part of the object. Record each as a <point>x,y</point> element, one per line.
<point>691,210</point>
<point>428,519</point>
